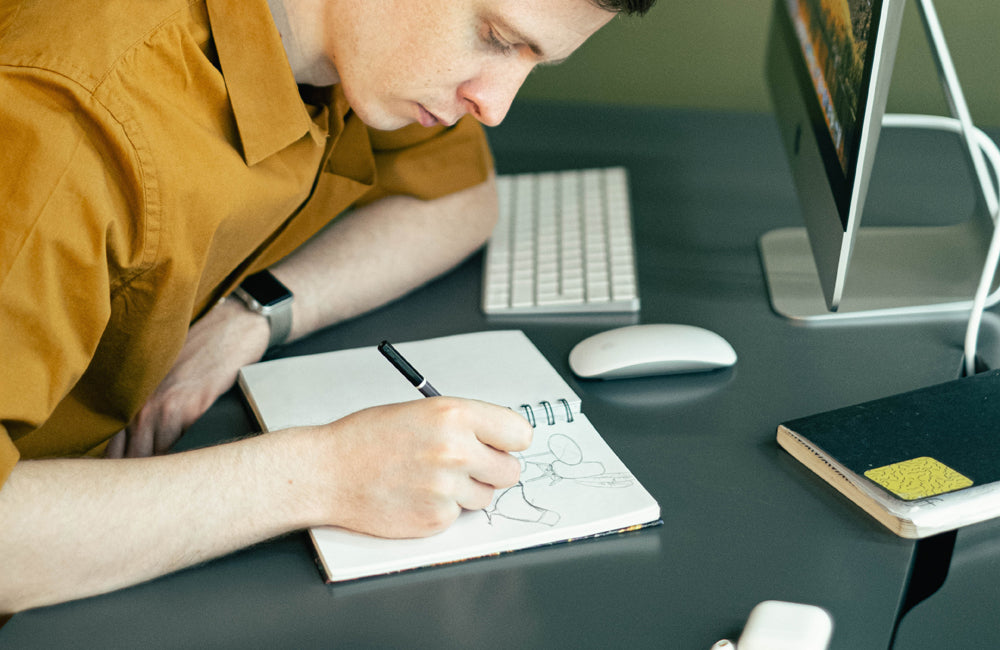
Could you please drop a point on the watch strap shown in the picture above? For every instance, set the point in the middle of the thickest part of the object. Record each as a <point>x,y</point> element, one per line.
<point>280,320</point>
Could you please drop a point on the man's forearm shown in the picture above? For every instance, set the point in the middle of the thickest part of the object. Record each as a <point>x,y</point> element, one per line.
<point>380,252</point>
<point>78,527</point>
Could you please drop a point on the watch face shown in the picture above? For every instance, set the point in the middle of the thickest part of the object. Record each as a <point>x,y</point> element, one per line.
<point>265,289</point>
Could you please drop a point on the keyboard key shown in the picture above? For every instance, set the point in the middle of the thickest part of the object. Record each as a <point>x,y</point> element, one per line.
<point>563,244</point>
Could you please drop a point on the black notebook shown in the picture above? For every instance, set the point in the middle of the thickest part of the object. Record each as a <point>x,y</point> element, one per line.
<point>921,462</point>
<point>572,484</point>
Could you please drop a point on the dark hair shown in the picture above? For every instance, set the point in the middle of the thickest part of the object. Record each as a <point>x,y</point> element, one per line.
<point>627,7</point>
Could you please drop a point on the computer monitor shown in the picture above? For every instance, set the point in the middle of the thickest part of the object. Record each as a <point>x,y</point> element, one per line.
<point>829,64</point>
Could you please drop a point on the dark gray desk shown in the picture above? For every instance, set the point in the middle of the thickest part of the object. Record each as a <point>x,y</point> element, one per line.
<point>744,521</point>
<point>963,612</point>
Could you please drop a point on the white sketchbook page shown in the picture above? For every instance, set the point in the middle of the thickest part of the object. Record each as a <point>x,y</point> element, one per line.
<point>503,367</point>
<point>572,486</point>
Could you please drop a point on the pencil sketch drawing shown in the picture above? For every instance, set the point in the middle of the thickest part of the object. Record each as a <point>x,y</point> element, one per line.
<point>564,461</point>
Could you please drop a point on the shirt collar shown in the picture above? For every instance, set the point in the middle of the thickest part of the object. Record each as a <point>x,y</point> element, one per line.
<point>270,114</point>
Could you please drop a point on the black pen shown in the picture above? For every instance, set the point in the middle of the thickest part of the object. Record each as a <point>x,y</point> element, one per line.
<point>408,371</point>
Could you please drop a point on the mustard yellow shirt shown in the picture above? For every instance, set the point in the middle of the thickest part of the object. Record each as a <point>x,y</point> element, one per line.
<point>153,154</point>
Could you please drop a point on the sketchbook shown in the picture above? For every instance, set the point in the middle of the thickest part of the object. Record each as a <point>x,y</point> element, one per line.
<point>921,462</point>
<point>572,484</point>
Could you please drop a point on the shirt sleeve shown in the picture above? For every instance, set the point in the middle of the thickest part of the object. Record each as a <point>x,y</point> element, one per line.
<point>61,172</point>
<point>429,163</point>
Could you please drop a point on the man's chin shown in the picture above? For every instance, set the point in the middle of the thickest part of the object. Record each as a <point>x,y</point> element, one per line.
<point>382,120</point>
<point>374,114</point>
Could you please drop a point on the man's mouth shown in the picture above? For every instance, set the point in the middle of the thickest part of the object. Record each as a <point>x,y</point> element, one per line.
<point>427,118</point>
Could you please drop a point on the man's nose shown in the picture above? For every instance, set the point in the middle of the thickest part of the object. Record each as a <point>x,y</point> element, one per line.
<point>489,95</point>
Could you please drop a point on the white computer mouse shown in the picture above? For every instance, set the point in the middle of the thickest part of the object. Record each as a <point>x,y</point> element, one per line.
<point>650,349</point>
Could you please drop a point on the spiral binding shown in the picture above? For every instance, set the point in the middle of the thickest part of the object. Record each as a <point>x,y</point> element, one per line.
<point>550,413</point>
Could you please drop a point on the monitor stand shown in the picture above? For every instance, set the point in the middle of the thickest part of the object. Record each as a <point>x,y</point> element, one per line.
<point>898,271</point>
<point>893,272</point>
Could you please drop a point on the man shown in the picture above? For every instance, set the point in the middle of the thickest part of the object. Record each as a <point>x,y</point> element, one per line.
<point>158,152</point>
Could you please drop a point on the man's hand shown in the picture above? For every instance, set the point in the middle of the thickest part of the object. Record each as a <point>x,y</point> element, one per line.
<point>408,470</point>
<point>227,338</point>
<point>402,470</point>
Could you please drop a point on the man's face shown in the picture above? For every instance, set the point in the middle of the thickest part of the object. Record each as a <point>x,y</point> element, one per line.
<point>433,61</point>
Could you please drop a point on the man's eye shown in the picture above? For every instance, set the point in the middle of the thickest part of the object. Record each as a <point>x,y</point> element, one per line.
<point>498,44</point>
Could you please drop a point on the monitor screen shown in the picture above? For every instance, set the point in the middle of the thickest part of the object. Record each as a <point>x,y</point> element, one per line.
<point>829,66</point>
<point>834,37</point>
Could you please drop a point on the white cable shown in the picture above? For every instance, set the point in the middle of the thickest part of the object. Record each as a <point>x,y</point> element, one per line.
<point>954,95</point>
<point>991,197</point>
<point>989,269</point>
<point>942,123</point>
<point>977,144</point>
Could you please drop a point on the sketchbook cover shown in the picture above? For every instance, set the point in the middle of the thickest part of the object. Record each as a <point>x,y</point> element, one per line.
<point>921,462</point>
<point>572,484</point>
<point>919,444</point>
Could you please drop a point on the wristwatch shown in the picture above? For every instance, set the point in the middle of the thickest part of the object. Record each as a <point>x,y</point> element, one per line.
<point>263,294</point>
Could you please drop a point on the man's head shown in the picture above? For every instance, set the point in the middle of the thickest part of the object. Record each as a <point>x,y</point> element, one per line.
<point>433,61</point>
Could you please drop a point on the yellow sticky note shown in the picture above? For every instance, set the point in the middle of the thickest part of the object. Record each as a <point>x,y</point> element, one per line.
<point>918,478</point>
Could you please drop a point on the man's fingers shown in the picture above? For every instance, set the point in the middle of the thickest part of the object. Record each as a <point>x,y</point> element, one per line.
<point>477,496</point>
<point>140,442</point>
<point>496,469</point>
<point>116,446</point>
<point>502,428</point>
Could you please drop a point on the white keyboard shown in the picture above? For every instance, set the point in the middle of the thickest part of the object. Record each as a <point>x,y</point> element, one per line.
<point>563,244</point>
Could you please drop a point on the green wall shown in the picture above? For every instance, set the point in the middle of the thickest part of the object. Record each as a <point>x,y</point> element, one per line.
<point>709,54</point>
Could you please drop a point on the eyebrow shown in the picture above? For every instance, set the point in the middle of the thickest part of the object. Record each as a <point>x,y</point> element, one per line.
<point>513,32</point>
